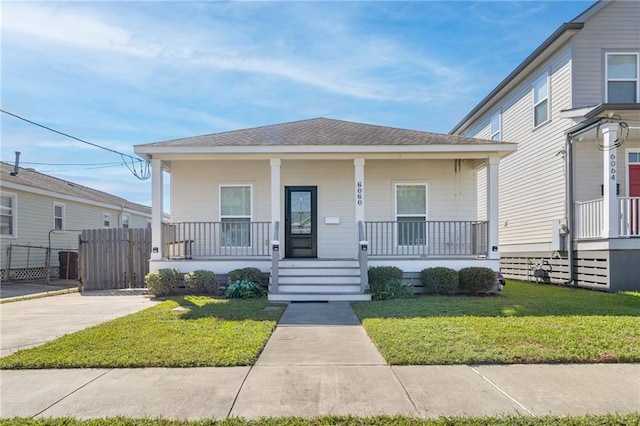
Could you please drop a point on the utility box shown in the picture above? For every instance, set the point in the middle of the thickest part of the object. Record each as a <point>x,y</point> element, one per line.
<point>558,232</point>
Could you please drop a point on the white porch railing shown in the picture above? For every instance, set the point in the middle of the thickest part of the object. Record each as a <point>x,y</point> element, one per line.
<point>629,212</point>
<point>590,218</point>
<point>188,240</point>
<point>430,238</point>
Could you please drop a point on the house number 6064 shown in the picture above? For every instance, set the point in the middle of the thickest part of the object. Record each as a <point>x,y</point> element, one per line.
<point>359,193</point>
<point>612,167</point>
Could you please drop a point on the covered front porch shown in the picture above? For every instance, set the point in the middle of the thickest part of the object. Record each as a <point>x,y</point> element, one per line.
<point>313,218</point>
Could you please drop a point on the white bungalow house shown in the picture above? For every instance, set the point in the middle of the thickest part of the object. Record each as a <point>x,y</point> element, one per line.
<point>313,203</point>
<point>570,196</point>
<point>41,214</point>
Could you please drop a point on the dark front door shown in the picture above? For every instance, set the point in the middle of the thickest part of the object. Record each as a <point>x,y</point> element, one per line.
<point>300,229</point>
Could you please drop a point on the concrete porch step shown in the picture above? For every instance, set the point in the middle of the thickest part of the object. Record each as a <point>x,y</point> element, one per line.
<point>312,288</point>
<point>320,271</point>
<point>319,279</point>
<point>318,263</point>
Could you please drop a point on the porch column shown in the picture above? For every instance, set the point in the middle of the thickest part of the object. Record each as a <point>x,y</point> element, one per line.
<point>610,168</point>
<point>492,208</point>
<point>359,189</point>
<point>275,190</point>
<point>156,209</point>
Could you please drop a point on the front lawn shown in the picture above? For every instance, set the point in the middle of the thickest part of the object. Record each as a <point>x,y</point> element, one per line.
<point>190,331</point>
<point>525,323</point>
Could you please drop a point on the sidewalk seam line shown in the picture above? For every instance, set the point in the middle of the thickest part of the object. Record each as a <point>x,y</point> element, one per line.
<point>72,392</point>
<point>406,391</point>
<point>502,391</point>
<point>233,404</point>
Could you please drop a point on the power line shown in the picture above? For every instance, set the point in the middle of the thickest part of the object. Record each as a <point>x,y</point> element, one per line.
<point>65,164</point>
<point>143,173</point>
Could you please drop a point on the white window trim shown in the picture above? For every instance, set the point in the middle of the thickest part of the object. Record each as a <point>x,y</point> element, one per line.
<point>426,208</point>
<point>499,131</point>
<point>106,215</point>
<point>628,163</point>
<point>606,74</point>
<point>14,214</point>
<point>64,215</point>
<point>128,220</point>
<point>249,216</point>
<point>546,75</point>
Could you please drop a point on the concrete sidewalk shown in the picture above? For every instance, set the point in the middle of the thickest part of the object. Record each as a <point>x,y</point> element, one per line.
<point>320,361</point>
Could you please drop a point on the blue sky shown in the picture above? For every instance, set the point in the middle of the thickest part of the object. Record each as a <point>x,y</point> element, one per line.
<point>124,73</point>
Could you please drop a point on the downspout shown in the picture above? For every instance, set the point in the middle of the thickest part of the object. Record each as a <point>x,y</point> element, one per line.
<point>569,210</point>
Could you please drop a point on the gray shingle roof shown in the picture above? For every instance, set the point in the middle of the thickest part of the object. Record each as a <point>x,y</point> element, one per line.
<point>320,131</point>
<point>38,180</point>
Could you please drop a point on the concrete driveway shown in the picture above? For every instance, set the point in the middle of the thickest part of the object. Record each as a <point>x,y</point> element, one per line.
<point>32,322</point>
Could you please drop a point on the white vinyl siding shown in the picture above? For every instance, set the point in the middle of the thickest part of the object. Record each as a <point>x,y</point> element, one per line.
<point>613,29</point>
<point>106,220</point>
<point>622,78</point>
<point>541,100</point>
<point>59,221</point>
<point>496,126</point>
<point>235,215</point>
<point>532,189</point>
<point>8,215</point>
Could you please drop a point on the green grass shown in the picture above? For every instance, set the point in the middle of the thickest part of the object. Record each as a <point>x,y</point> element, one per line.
<point>525,323</point>
<point>599,420</point>
<point>204,332</point>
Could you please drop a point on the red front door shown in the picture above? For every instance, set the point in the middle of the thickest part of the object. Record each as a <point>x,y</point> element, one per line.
<point>634,191</point>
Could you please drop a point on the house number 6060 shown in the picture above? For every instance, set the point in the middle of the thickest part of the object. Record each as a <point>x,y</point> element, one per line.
<point>359,193</point>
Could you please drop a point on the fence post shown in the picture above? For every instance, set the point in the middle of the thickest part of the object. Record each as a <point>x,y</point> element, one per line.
<point>47,265</point>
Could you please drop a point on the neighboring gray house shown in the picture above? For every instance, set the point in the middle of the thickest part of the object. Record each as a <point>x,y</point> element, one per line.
<point>314,202</point>
<point>34,204</point>
<point>570,196</point>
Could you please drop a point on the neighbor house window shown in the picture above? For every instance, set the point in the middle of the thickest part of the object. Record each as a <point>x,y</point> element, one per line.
<point>125,221</point>
<point>235,215</point>
<point>8,215</point>
<point>106,220</point>
<point>58,216</point>
<point>411,214</point>
<point>496,126</point>
<point>622,78</point>
<point>541,100</point>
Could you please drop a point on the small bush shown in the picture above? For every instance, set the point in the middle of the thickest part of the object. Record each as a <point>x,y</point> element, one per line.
<point>201,281</point>
<point>162,282</point>
<point>439,280</point>
<point>477,280</point>
<point>246,274</point>
<point>243,290</point>
<point>382,275</point>
<point>396,289</point>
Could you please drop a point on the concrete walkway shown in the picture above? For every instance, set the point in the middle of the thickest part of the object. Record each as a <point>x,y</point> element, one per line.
<point>320,361</point>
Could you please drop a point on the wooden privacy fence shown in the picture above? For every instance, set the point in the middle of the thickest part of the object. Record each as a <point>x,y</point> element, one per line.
<point>114,258</point>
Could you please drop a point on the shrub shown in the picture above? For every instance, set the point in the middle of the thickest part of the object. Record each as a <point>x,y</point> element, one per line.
<point>385,282</point>
<point>162,282</point>
<point>477,280</point>
<point>439,280</point>
<point>201,281</point>
<point>382,275</point>
<point>246,274</point>
<point>396,289</point>
<point>243,290</point>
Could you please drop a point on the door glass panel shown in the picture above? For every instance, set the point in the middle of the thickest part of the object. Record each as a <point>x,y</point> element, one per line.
<point>300,212</point>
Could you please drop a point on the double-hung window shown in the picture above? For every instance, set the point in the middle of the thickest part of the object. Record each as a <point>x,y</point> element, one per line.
<point>411,214</point>
<point>8,215</point>
<point>106,220</point>
<point>235,215</point>
<point>125,221</point>
<point>541,100</point>
<point>622,78</point>
<point>496,126</point>
<point>58,216</point>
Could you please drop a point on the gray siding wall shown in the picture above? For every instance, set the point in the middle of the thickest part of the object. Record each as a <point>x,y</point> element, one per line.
<point>35,220</point>
<point>531,179</point>
<point>614,28</point>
